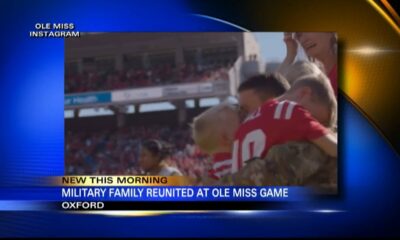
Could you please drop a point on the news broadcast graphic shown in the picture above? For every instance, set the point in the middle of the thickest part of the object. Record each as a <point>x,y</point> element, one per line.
<point>196,118</point>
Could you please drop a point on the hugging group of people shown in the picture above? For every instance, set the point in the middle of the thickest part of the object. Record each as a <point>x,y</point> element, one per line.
<point>282,130</point>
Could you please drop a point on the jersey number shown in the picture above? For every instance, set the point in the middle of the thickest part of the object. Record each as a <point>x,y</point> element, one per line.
<point>252,146</point>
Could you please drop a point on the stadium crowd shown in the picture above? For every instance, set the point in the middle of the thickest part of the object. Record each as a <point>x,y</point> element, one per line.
<point>116,152</point>
<point>158,75</point>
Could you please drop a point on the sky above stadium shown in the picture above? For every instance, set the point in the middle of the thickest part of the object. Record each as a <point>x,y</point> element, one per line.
<point>271,45</point>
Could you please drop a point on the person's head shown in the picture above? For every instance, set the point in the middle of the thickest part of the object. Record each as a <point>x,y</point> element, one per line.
<point>316,44</point>
<point>152,153</point>
<point>315,94</point>
<point>300,69</point>
<point>214,130</point>
<point>256,90</point>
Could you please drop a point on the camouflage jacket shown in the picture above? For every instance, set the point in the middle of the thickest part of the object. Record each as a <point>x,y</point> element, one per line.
<point>290,164</point>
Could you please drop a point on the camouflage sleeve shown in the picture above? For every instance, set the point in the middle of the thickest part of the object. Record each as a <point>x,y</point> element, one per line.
<point>301,164</point>
<point>294,163</point>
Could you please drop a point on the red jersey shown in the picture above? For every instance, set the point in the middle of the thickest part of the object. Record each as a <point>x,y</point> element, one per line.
<point>272,124</point>
<point>221,165</point>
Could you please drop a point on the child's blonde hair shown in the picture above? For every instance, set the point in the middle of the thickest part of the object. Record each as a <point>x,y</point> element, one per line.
<point>211,124</point>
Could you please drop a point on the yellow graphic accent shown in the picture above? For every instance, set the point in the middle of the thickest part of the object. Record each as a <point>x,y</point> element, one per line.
<point>385,15</point>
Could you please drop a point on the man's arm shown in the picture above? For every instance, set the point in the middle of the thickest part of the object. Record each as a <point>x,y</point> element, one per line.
<point>291,52</point>
<point>328,143</point>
